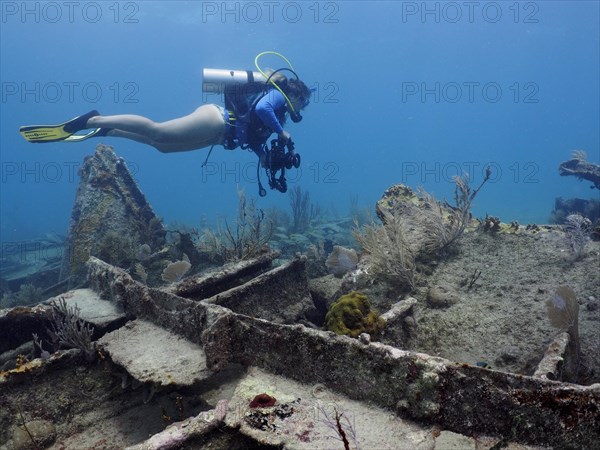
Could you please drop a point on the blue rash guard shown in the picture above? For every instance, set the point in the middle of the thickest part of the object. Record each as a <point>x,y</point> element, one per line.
<point>267,118</point>
<point>269,108</point>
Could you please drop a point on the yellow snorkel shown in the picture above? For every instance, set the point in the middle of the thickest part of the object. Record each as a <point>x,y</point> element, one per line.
<point>270,80</point>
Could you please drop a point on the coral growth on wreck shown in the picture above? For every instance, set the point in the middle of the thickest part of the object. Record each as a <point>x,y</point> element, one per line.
<point>69,330</point>
<point>352,315</point>
<point>304,212</point>
<point>444,223</point>
<point>578,230</point>
<point>415,227</point>
<point>388,253</point>
<point>28,294</point>
<point>247,238</point>
<point>175,271</point>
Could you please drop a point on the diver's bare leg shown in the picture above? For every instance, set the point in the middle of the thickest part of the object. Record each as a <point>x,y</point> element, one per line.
<point>162,147</point>
<point>204,127</point>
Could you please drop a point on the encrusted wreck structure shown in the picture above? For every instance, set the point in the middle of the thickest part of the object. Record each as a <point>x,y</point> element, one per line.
<point>110,218</point>
<point>578,166</point>
<point>170,342</point>
<point>228,358</point>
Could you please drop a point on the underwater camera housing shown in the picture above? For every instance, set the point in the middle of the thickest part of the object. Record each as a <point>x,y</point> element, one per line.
<point>278,159</point>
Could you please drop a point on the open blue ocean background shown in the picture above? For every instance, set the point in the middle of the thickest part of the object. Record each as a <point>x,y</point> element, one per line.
<point>405,92</point>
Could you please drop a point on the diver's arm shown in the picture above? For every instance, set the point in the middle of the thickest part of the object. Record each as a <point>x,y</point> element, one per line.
<point>265,110</point>
<point>284,136</point>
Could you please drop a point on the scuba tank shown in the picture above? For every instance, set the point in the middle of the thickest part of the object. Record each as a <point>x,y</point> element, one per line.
<point>222,81</point>
<point>216,81</point>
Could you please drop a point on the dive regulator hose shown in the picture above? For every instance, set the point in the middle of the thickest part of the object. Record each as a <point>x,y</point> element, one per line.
<point>269,77</point>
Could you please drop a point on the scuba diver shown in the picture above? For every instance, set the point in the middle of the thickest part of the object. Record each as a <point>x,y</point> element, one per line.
<point>256,105</point>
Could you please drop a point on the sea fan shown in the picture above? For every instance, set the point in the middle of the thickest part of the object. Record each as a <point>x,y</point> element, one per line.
<point>144,252</point>
<point>341,261</point>
<point>563,310</point>
<point>175,271</point>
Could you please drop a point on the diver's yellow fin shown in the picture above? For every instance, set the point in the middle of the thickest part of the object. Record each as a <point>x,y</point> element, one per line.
<point>44,133</point>
<point>61,132</point>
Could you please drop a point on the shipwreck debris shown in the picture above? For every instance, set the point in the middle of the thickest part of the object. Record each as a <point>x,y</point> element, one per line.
<point>111,217</point>
<point>578,166</point>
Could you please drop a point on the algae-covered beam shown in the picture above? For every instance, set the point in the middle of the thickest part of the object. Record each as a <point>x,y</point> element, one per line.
<point>416,385</point>
<point>280,295</point>
<point>184,317</point>
<point>208,284</point>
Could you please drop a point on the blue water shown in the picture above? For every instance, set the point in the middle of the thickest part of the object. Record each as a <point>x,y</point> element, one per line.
<point>406,92</point>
